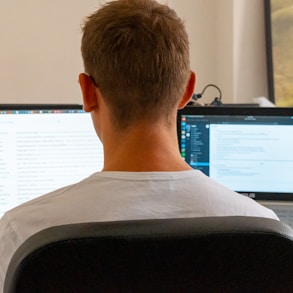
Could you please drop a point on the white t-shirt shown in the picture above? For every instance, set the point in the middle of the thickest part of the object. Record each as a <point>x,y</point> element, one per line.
<point>110,196</point>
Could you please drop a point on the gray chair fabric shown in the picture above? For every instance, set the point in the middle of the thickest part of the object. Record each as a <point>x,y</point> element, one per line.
<point>210,254</point>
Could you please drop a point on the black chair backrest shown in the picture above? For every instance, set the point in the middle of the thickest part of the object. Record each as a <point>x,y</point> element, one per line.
<point>212,254</point>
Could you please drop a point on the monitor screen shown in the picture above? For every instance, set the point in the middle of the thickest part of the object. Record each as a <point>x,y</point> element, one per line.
<point>42,148</point>
<point>249,150</point>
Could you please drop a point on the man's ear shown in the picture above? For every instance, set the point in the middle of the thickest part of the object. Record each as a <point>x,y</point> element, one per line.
<point>189,91</point>
<point>89,92</point>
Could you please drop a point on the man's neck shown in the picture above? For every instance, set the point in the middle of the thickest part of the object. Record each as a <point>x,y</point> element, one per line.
<point>144,148</point>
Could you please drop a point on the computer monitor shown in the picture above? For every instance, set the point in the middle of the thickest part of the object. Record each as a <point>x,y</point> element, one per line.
<point>249,150</point>
<point>43,148</point>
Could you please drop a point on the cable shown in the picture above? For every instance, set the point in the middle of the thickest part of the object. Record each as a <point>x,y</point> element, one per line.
<point>212,85</point>
<point>216,102</point>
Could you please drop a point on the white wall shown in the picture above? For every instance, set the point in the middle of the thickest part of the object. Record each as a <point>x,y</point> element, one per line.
<point>40,48</point>
<point>227,46</point>
<point>250,75</point>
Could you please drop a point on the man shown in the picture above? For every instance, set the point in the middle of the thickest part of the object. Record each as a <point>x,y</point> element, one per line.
<point>136,59</point>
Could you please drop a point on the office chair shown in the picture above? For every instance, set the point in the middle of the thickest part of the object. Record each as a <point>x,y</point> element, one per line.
<point>212,254</point>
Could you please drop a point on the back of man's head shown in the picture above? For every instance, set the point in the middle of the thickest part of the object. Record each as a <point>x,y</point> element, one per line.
<point>137,53</point>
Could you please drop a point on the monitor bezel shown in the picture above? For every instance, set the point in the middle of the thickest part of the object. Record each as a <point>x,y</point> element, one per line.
<point>8,107</point>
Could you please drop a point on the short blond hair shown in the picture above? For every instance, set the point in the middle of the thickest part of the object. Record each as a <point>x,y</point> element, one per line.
<point>137,53</point>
